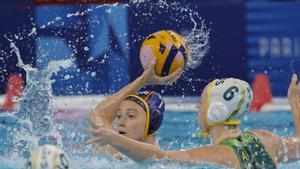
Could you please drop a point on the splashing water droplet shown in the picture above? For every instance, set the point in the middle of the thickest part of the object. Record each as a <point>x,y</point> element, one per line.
<point>35,113</point>
<point>197,41</point>
<point>15,99</point>
<point>67,77</point>
<point>93,74</point>
<point>86,48</point>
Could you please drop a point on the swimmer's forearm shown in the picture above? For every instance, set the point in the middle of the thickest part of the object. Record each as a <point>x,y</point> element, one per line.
<point>293,98</point>
<point>136,150</point>
<point>296,114</point>
<point>107,109</point>
<point>291,149</point>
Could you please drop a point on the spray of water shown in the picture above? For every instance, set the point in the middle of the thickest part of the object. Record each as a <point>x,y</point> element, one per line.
<point>35,115</point>
<point>197,37</point>
<point>34,120</point>
<point>198,43</point>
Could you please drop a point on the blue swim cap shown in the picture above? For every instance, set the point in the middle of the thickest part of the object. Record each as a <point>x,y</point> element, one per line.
<point>154,106</point>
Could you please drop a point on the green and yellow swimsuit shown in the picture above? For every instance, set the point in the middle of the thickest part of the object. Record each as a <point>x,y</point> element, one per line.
<point>250,152</point>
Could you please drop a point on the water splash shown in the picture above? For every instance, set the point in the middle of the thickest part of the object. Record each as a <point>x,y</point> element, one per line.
<point>190,25</point>
<point>17,52</point>
<point>38,94</point>
<point>197,37</point>
<point>34,120</point>
<point>78,14</point>
<point>198,43</point>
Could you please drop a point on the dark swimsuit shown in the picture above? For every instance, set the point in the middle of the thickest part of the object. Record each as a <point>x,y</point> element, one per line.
<point>250,151</point>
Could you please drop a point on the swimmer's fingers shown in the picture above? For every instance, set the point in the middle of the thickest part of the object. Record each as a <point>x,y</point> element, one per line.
<point>149,73</point>
<point>152,65</point>
<point>96,132</point>
<point>294,83</point>
<point>93,120</point>
<point>99,141</point>
<point>294,90</point>
<point>100,129</point>
<point>151,76</point>
<point>97,135</point>
<point>92,130</point>
<point>95,149</point>
<point>93,140</point>
<point>172,77</point>
<point>294,80</point>
<point>95,123</point>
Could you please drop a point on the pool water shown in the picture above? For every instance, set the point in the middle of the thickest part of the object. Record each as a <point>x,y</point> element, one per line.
<point>178,131</point>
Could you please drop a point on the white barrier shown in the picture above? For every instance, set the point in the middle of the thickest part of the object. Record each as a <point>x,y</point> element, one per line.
<point>178,104</point>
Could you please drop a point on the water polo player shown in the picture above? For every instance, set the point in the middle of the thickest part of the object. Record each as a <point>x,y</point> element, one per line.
<point>222,105</point>
<point>136,115</point>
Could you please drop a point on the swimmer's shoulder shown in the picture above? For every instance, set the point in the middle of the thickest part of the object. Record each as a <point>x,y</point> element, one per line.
<point>266,136</point>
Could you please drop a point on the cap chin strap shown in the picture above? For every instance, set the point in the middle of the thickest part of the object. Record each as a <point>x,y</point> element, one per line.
<point>206,130</point>
<point>228,121</point>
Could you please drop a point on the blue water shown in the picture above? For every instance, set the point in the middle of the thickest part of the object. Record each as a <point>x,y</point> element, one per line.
<point>19,135</point>
<point>26,129</point>
<point>178,131</point>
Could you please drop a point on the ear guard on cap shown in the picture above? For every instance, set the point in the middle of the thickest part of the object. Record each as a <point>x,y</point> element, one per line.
<point>217,111</point>
<point>227,100</point>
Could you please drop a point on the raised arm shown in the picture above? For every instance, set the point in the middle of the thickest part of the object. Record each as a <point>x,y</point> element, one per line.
<point>293,97</point>
<point>140,151</point>
<point>290,146</point>
<point>107,109</point>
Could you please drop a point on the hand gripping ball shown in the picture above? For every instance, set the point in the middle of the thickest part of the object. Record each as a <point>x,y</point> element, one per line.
<point>170,50</point>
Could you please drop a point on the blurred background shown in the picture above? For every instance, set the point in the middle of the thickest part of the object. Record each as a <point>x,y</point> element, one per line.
<point>256,40</point>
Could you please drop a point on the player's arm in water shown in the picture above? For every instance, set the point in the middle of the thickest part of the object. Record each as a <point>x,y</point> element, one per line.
<point>281,149</point>
<point>140,151</point>
<point>285,149</point>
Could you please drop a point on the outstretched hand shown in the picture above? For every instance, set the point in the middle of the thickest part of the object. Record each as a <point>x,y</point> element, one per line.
<point>294,90</point>
<point>100,132</point>
<point>152,78</point>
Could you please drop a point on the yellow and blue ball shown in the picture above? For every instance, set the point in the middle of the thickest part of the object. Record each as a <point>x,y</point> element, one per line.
<point>169,49</point>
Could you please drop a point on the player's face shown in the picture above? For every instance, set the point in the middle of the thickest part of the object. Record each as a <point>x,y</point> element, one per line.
<point>130,120</point>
